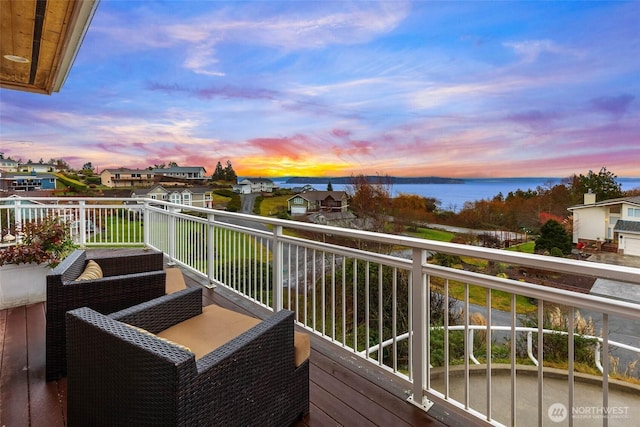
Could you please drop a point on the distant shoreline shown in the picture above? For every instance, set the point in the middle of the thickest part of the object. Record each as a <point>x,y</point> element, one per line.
<point>375,179</point>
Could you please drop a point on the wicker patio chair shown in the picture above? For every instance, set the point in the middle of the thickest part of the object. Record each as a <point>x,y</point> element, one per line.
<point>127,280</point>
<point>121,375</point>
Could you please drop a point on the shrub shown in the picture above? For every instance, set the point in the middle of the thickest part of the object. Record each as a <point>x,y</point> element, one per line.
<point>44,241</point>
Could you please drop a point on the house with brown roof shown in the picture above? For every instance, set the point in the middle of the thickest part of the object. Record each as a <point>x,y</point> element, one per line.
<point>123,177</point>
<point>313,201</point>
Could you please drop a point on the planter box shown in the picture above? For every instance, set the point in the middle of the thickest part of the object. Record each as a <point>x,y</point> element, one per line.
<point>23,284</point>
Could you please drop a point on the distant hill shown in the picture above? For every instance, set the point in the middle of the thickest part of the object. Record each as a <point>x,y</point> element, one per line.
<point>375,179</point>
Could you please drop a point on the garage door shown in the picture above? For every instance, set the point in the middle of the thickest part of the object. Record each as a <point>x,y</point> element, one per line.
<point>298,210</point>
<point>632,246</point>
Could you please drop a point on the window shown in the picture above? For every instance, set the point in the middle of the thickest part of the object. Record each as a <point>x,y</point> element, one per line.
<point>298,201</point>
<point>634,212</point>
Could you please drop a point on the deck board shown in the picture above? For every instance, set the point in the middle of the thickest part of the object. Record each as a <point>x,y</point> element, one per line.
<point>14,378</point>
<point>340,394</point>
<point>40,392</point>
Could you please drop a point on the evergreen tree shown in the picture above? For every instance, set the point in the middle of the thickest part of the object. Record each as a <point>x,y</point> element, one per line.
<point>218,175</point>
<point>229,173</point>
<point>329,186</point>
<point>603,184</point>
<point>553,235</point>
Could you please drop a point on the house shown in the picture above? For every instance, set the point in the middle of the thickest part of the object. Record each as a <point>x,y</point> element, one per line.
<point>8,164</point>
<point>31,181</point>
<point>313,201</point>
<point>186,172</point>
<point>254,185</point>
<point>122,177</point>
<point>157,192</point>
<point>36,167</point>
<point>191,196</point>
<point>615,220</point>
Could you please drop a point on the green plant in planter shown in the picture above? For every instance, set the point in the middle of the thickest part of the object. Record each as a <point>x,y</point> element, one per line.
<point>44,241</point>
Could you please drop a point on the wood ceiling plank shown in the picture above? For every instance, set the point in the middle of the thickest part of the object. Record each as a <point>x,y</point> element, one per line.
<point>17,25</point>
<point>53,34</point>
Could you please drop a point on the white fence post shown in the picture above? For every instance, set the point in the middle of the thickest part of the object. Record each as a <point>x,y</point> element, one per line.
<point>172,233</point>
<point>420,328</point>
<point>146,224</point>
<point>211,249</point>
<point>278,265</point>
<point>82,226</point>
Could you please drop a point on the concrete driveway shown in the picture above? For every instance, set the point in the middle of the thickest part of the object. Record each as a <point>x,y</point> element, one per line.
<point>615,259</point>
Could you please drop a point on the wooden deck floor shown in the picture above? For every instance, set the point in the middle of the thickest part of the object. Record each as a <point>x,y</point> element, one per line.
<point>342,392</point>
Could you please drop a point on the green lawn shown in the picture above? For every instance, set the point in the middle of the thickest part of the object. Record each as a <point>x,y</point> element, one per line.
<point>528,247</point>
<point>272,205</point>
<point>429,234</point>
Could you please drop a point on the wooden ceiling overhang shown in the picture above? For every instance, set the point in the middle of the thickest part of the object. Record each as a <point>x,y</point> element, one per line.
<point>44,36</point>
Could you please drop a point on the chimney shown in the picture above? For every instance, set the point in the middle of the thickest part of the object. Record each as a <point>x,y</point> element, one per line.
<point>589,198</point>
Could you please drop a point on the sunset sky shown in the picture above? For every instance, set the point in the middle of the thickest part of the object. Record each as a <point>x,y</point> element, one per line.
<point>335,88</point>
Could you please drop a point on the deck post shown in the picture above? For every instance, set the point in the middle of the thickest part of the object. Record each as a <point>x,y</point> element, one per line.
<point>211,254</point>
<point>278,265</point>
<point>420,329</point>
<point>172,233</point>
<point>82,226</point>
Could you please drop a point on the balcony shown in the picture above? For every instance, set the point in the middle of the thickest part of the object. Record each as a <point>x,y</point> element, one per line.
<point>396,338</point>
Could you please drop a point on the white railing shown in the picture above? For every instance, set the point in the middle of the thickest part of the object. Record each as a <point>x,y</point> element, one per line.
<point>378,296</point>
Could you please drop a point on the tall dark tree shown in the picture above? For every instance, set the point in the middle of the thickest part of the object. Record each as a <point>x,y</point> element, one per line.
<point>218,174</point>
<point>329,186</point>
<point>603,184</point>
<point>553,235</point>
<point>229,173</point>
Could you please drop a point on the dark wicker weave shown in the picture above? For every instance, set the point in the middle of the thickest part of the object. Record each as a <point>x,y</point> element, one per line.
<point>128,280</point>
<point>121,376</point>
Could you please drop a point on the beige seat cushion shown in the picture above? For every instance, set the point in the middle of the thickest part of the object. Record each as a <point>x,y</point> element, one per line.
<point>217,326</point>
<point>175,280</point>
<point>302,344</point>
<point>92,271</point>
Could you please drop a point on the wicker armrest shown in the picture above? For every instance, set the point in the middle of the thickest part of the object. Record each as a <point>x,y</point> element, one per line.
<point>109,294</point>
<point>131,263</point>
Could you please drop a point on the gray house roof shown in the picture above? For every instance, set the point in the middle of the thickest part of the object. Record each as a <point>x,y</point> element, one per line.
<point>635,200</point>
<point>627,226</point>
<point>177,169</point>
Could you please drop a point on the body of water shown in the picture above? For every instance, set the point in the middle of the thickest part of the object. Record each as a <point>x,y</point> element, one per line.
<point>453,196</point>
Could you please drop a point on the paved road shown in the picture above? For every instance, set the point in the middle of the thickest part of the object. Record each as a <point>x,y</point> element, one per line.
<point>248,201</point>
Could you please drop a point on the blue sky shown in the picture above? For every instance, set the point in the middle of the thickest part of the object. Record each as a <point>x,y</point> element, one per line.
<point>460,89</point>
